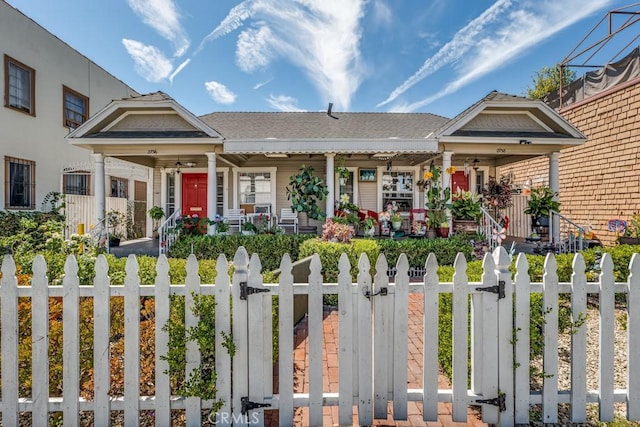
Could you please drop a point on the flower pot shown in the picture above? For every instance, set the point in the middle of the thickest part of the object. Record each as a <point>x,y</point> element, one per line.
<point>396,225</point>
<point>465,226</point>
<point>624,240</point>
<point>114,242</point>
<point>442,231</point>
<point>431,233</point>
<point>539,221</point>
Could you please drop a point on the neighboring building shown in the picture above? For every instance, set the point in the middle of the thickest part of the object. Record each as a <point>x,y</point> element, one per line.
<point>224,161</point>
<point>50,89</point>
<point>599,180</point>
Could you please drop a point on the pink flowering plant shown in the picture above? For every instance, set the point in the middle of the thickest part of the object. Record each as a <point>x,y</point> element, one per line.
<point>336,232</point>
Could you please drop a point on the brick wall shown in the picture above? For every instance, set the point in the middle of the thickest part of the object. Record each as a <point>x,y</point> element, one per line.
<point>601,179</point>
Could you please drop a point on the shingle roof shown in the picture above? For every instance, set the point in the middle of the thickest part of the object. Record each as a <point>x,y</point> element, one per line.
<point>149,134</point>
<point>318,125</point>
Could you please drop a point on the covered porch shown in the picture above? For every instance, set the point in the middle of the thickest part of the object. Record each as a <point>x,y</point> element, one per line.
<point>208,165</point>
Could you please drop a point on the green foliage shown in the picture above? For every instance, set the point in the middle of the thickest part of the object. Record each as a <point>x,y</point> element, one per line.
<point>542,202</point>
<point>54,203</point>
<point>547,80</point>
<point>465,205</point>
<point>270,247</point>
<point>305,190</point>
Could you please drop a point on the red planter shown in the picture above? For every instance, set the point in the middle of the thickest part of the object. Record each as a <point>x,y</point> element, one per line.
<point>442,231</point>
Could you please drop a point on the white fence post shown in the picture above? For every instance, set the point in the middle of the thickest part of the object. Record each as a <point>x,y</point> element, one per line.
<point>101,343</point>
<point>315,341</point>
<point>460,331</point>
<point>399,361</point>
<point>522,325</point>
<point>192,357</point>
<point>132,343</point>
<point>579,341</point>
<point>240,362</point>
<point>487,337</point>
<point>505,335</point>
<point>550,358</point>
<point>285,342</point>
<point>163,309</point>
<point>633,339</point>
<point>607,337</point>
<point>71,343</point>
<point>40,339</point>
<point>430,340</point>
<point>365,361</point>
<point>381,338</point>
<point>223,325</point>
<point>9,306</point>
<point>346,322</point>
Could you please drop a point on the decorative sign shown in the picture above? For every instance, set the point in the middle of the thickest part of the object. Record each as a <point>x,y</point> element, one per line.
<point>367,174</point>
<point>617,225</point>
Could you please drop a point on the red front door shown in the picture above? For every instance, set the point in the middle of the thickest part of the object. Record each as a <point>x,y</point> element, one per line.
<point>459,180</point>
<point>194,194</point>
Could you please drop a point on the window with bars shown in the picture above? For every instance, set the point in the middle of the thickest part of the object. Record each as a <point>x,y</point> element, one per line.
<point>119,187</point>
<point>75,108</point>
<point>20,183</point>
<point>77,183</point>
<point>255,187</point>
<point>19,86</point>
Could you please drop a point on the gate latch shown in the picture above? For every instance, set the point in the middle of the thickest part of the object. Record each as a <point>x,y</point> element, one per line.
<point>248,405</point>
<point>367,293</point>
<point>499,289</point>
<point>246,290</point>
<point>499,401</point>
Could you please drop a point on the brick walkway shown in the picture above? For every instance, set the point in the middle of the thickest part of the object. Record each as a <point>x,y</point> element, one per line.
<point>330,374</point>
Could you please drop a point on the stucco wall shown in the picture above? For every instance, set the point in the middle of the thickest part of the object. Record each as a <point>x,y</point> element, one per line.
<point>601,179</point>
<point>41,138</point>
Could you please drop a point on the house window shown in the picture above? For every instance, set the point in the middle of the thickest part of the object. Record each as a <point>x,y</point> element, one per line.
<point>75,109</point>
<point>77,183</point>
<point>255,187</point>
<point>19,86</point>
<point>119,187</point>
<point>171,194</point>
<point>20,183</point>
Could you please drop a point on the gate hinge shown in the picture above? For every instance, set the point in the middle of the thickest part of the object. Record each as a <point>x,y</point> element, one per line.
<point>499,289</point>
<point>248,405</point>
<point>246,290</point>
<point>499,401</point>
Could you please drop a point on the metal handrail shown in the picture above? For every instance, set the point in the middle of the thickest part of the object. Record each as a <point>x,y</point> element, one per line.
<point>168,232</point>
<point>489,225</point>
<point>571,240</point>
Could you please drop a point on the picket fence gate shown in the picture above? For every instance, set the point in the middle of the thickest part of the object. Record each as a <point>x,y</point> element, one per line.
<point>372,349</point>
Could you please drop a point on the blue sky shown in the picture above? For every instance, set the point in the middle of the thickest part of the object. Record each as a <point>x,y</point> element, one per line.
<point>437,56</point>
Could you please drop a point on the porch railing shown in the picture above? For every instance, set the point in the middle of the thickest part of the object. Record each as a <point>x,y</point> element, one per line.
<point>490,227</point>
<point>571,234</point>
<point>168,232</point>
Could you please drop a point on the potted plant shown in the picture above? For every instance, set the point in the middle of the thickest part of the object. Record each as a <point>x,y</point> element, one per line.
<point>156,214</point>
<point>465,209</point>
<point>305,190</point>
<point>114,221</point>
<point>248,229</point>
<point>439,220</point>
<point>342,171</point>
<point>369,226</point>
<point>631,234</point>
<point>540,205</point>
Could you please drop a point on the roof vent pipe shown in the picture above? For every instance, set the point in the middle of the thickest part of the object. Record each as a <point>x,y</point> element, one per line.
<point>329,109</point>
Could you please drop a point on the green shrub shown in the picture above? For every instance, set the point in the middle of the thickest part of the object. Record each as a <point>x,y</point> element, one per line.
<point>270,247</point>
<point>330,253</point>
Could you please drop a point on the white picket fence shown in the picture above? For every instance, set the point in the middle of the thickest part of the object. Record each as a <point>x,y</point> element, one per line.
<point>373,328</point>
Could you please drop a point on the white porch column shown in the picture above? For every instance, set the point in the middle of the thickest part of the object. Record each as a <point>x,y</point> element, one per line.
<point>178,191</point>
<point>100,196</point>
<point>163,190</point>
<point>446,179</point>
<point>331,197</point>
<point>212,195</point>
<point>554,185</point>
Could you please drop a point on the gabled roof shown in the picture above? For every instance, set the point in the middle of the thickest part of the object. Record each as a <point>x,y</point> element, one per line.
<point>181,123</point>
<point>320,125</point>
<point>493,117</point>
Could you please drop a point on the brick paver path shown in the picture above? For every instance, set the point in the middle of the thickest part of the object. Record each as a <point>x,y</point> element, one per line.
<point>330,374</point>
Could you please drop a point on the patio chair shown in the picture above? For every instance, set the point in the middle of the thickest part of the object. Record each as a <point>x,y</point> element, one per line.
<point>288,218</point>
<point>235,218</point>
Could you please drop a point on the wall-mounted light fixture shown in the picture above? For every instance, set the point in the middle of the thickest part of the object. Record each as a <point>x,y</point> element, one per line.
<point>525,141</point>
<point>475,164</point>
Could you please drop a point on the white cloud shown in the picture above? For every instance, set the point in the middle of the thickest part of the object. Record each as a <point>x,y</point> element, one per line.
<point>180,68</point>
<point>260,84</point>
<point>253,49</point>
<point>494,39</point>
<point>220,93</point>
<point>163,16</point>
<point>382,14</point>
<point>150,62</point>
<point>320,37</point>
<point>284,103</point>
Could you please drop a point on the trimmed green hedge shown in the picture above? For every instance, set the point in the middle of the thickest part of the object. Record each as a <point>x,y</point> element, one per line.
<point>269,247</point>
